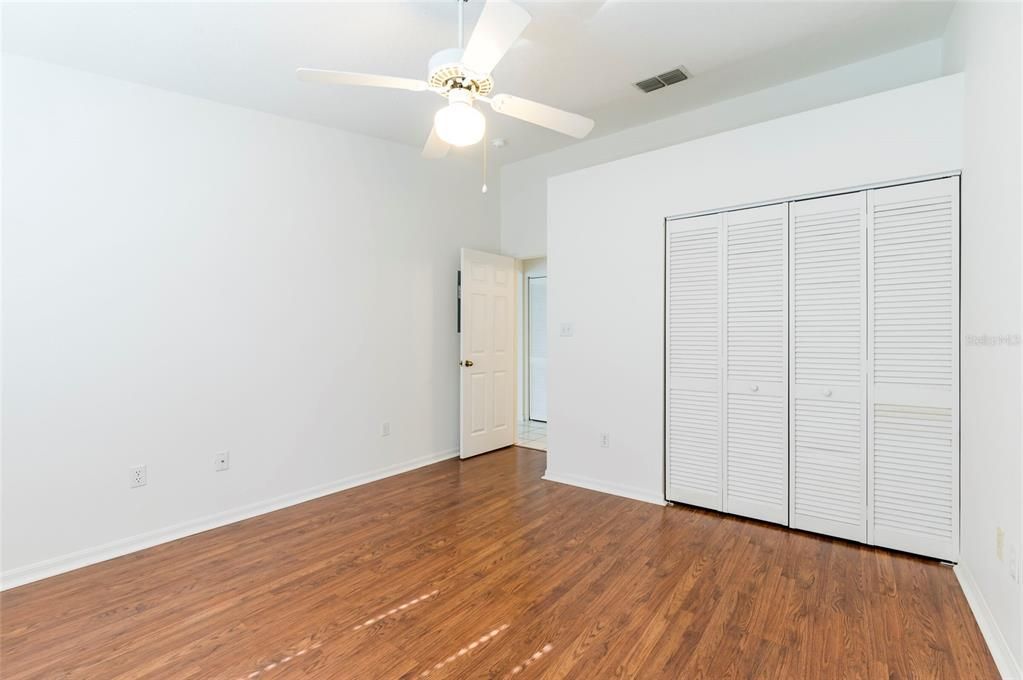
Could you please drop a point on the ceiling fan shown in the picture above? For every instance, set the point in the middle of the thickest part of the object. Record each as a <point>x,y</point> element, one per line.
<point>462,76</point>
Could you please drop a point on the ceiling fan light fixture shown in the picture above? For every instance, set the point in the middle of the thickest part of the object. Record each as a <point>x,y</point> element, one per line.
<point>462,75</point>
<point>459,124</point>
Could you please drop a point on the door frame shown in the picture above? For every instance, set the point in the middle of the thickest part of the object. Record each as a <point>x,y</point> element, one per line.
<point>527,324</point>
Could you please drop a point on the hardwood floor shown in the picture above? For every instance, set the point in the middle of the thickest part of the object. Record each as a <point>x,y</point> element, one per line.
<point>479,569</point>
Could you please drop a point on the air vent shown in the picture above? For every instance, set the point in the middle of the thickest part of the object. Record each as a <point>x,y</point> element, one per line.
<point>657,82</point>
<point>672,77</point>
<point>650,84</point>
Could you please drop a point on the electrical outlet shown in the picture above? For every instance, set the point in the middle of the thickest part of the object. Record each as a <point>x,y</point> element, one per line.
<point>567,330</point>
<point>222,461</point>
<point>138,476</point>
<point>1013,569</point>
<point>1000,544</point>
<point>605,440</point>
<point>385,429</point>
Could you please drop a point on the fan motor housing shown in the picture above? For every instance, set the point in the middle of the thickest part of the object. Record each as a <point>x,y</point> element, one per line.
<point>447,72</point>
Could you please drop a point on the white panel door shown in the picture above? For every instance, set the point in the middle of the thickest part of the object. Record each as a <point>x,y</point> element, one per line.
<point>488,352</point>
<point>913,428</point>
<point>756,465</point>
<point>536,292</point>
<point>693,347</point>
<point>827,238</point>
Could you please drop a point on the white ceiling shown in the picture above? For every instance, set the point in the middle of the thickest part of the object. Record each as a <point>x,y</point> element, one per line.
<point>581,56</point>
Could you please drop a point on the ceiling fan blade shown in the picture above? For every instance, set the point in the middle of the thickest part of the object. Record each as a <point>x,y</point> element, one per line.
<point>571,124</point>
<point>435,146</point>
<point>315,75</point>
<point>499,26</point>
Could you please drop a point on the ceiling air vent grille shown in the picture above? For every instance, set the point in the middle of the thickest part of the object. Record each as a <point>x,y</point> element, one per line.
<point>657,82</point>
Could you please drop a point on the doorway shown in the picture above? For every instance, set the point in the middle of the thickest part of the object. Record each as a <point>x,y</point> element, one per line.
<point>532,426</point>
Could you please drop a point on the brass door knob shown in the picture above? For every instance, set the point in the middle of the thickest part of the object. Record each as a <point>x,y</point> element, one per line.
<point>467,362</point>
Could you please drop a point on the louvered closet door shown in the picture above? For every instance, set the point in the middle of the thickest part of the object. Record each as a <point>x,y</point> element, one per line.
<point>756,364</point>
<point>828,344</point>
<point>694,349</point>
<point>914,358</point>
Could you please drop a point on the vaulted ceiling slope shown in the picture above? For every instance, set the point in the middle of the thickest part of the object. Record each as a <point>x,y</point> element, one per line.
<point>581,56</point>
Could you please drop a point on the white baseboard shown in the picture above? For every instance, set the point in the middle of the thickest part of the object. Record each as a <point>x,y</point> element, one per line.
<point>1007,664</point>
<point>606,487</point>
<point>82,558</point>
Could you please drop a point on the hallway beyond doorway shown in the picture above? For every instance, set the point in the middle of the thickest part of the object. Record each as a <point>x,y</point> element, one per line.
<point>532,434</point>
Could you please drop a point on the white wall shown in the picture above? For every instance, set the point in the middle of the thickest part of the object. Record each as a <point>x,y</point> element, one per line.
<point>983,40</point>
<point>609,376</point>
<point>182,277</point>
<point>524,184</point>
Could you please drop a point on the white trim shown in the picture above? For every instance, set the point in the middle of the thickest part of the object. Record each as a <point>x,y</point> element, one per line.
<point>82,558</point>
<point>1008,665</point>
<point>622,490</point>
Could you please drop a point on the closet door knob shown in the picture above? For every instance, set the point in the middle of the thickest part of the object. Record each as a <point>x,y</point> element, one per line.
<point>755,388</point>
<point>827,393</point>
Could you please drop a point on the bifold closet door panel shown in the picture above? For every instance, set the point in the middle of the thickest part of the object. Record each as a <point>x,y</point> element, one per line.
<point>756,364</point>
<point>693,345</point>
<point>913,430</point>
<point>827,420</point>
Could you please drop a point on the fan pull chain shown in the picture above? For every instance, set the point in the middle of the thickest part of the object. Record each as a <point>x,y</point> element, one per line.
<point>484,189</point>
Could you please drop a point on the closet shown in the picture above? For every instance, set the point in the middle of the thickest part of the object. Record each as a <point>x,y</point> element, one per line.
<point>812,360</point>
<point>828,427</point>
<point>727,360</point>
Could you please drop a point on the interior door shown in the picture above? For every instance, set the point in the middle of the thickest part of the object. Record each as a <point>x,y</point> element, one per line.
<point>693,349</point>
<point>537,300</point>
<point>828,315</point>
<point>756,470</point>
<point>913,450</point>
<point>487,352</point>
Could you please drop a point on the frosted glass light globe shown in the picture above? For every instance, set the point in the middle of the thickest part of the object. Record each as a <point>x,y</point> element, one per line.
<point>459,124</point>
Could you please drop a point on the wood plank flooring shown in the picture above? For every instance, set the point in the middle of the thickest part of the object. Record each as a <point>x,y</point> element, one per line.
<point>480,569</point>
